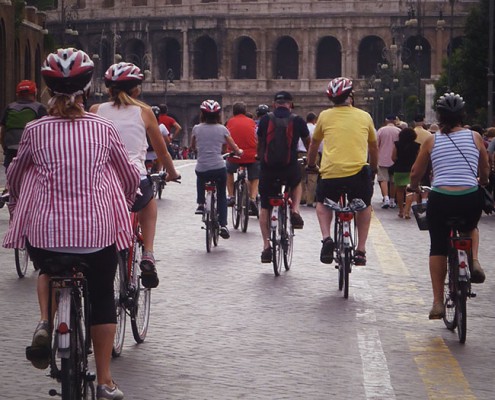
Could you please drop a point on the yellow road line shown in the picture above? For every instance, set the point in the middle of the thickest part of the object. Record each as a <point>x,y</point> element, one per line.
<point>441,374</point>
<point>390,260</point>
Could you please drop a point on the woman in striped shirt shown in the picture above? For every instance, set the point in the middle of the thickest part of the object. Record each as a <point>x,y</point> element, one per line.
<point>70,188</point>
<point>457,156</point>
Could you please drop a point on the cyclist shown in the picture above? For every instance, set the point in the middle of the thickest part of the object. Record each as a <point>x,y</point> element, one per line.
<point>455,190</point>
<point>16,116</point>
<point>291,174</point>
<point>135,120</point>
<point>70,186</point>
<point>349,138</point>
<point>261,110</point>
<point>208,138</point>
<point>174,130</point>
<point>243,132</point>
<point>150,152</point>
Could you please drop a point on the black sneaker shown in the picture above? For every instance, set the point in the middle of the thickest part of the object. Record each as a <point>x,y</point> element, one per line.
<point>266,255</point>
<point>326,254</point>
<point>253,208</point>
<point>230,201</point>
<point>296,220</point>
<point>149,277</point>
<point>200,209</point>
<point>224,232</point>
<point>39,351</point>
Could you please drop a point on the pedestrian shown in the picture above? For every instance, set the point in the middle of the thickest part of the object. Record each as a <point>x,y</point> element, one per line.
<point>455,190</point>
<point>280,162</point>
<point>208,138</point>
<point>309,190</point>
<point>136,122</point>
<point>387,135</point>
<point>349,140</point>
<point>70,187</point>
<point>404,154</point>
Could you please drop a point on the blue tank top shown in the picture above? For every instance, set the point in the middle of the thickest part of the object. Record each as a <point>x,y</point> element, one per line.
<point>449,166</point>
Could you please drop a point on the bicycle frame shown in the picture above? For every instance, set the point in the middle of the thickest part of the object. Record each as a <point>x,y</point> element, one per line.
<point>281,231</point>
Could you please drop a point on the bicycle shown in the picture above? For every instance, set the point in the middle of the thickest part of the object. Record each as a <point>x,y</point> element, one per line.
<point>158,181</point>
<point>21,255</point>
<point>131,298</point>
<point>210,216</point>
<point>240,209</point>
<point>281,230</point>
<point>71,339</point>
<point>345,236</point>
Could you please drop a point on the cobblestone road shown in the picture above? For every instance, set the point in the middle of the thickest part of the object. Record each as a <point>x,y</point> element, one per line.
<point>223,327</point>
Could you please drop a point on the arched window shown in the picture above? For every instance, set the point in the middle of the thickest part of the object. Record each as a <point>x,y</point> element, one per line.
<point>169,59</point>
<point>134,52</point>
<point>205,58</point>
<point>419,55</point>
<point>370,55</point>
<point>27,61</point>
<point>245,61</point>
<point>328,58</point>
<point>287,59</point>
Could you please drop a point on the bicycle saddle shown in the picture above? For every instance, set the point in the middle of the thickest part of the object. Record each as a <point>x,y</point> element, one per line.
<point>65,263</point>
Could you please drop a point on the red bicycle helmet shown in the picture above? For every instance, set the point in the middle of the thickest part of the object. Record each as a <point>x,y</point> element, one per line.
<point>210,106</point>
<point>339,89</point>
<point>68,71</point>
<point>123,75</point>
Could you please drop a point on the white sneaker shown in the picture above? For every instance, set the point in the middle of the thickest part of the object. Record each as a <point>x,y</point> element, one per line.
<point>386,203</point>
<point>392,204</point>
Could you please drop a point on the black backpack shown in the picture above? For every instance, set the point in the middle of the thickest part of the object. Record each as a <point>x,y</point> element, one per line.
<point>278,141</point>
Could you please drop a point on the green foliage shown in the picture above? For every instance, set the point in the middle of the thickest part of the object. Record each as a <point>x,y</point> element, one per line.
<point>468,66</point>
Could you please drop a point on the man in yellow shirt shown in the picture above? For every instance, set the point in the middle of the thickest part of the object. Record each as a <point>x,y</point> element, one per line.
<point>350,139</point>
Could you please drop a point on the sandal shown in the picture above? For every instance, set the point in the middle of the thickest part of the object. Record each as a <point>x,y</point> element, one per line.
<point>360,258</point>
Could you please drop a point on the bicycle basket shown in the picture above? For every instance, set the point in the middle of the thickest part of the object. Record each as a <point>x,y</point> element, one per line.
<point>419,211</point>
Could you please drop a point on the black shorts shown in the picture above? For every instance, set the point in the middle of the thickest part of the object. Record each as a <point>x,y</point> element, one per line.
<point>142,200</point>
<point>253,169</point>
<point>100,276</point>
<point>271,179</point>
<point>357,186</point>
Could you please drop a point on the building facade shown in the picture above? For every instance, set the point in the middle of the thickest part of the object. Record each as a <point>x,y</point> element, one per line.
<point>247,50</point>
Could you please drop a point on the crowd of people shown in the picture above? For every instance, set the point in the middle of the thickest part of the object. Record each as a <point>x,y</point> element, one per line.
<point>102,154</point>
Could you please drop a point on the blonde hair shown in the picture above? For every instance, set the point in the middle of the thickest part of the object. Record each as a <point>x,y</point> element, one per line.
<point>66,106</point>
<point>124,97</point>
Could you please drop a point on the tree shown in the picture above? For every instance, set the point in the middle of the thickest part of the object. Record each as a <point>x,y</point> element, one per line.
<point>468,65</point>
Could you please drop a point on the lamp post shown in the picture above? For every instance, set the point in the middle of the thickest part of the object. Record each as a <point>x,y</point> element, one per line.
<point>68,16</point>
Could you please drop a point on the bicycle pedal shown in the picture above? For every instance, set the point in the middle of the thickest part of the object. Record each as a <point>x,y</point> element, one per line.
<point>472,295</point>
<point>90,376</point>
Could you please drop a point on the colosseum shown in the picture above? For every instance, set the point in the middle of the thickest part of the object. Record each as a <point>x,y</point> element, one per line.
<point>232,50</point>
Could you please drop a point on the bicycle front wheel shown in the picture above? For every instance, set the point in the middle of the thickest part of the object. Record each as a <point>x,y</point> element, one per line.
<point>461,311</point>
<point>21,261</point>
<point>236,210</point>
<point>120,297</point>
<point>287,239</point>
<point>244,211</point>
<point>140,310</point>
<point>450,290</point>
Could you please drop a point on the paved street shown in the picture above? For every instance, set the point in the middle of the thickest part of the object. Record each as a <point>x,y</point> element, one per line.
<point>223,327</point>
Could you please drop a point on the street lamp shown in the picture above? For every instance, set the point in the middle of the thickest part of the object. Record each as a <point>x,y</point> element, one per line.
<point>68,16</point>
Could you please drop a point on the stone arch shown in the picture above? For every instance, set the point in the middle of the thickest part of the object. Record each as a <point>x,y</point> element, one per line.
<point>328,58</point>
<point>205,58</point>
<point>169,59</point>
<point>3,60</point>
<point>134,52</point>
<point>420,55</point>
<point>370,54</point>
<point>244,66</point>
<point>27,61</point>
<point>286,59</point>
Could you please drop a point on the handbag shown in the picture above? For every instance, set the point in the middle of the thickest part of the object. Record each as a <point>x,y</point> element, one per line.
<point>487,202</point>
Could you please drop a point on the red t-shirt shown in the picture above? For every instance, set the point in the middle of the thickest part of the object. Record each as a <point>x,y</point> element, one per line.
<point>243,131</point>
<point>167,121</point>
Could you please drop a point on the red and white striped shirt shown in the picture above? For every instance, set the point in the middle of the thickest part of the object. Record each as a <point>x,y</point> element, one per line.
<point>70,185</point>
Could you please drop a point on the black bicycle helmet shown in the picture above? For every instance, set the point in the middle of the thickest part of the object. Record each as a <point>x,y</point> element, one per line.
<point>262,110</point>
<point>450,102</point>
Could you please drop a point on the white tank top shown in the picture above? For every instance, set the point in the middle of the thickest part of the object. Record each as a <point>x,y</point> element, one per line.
<point>131,127</point>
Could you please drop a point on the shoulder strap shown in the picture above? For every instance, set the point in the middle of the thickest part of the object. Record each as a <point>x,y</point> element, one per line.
<point>463,156</point>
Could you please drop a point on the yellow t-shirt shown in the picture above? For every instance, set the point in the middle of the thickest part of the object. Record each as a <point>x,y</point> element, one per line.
<point>346,132</point>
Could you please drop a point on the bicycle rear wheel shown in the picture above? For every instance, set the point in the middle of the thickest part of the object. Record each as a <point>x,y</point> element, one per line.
<point>276,252</point>
<point>21,261</point>
<point>244,212</point>
<point>287,239</point>
<point>140,310</point>
<point>119,297</point>
<point>346,271</point>
<point>215,228</point>
<point>461,311</point>
<point>236,208</point>
<point>209,231</point>
<point>450,290</point>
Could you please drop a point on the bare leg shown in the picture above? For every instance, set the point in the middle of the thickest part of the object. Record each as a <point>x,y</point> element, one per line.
<point>296,194</point>
<point>230,184</point>
<point>103,336</point>
<point>253,189</point>
<point>147,219</point>
<point>264,227</point>
<point>325,216</point>
<point>43,294</point>
<point>400,199</point>
<point>363,221</point>
<point>438,270</point>
<point>384,188</point>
